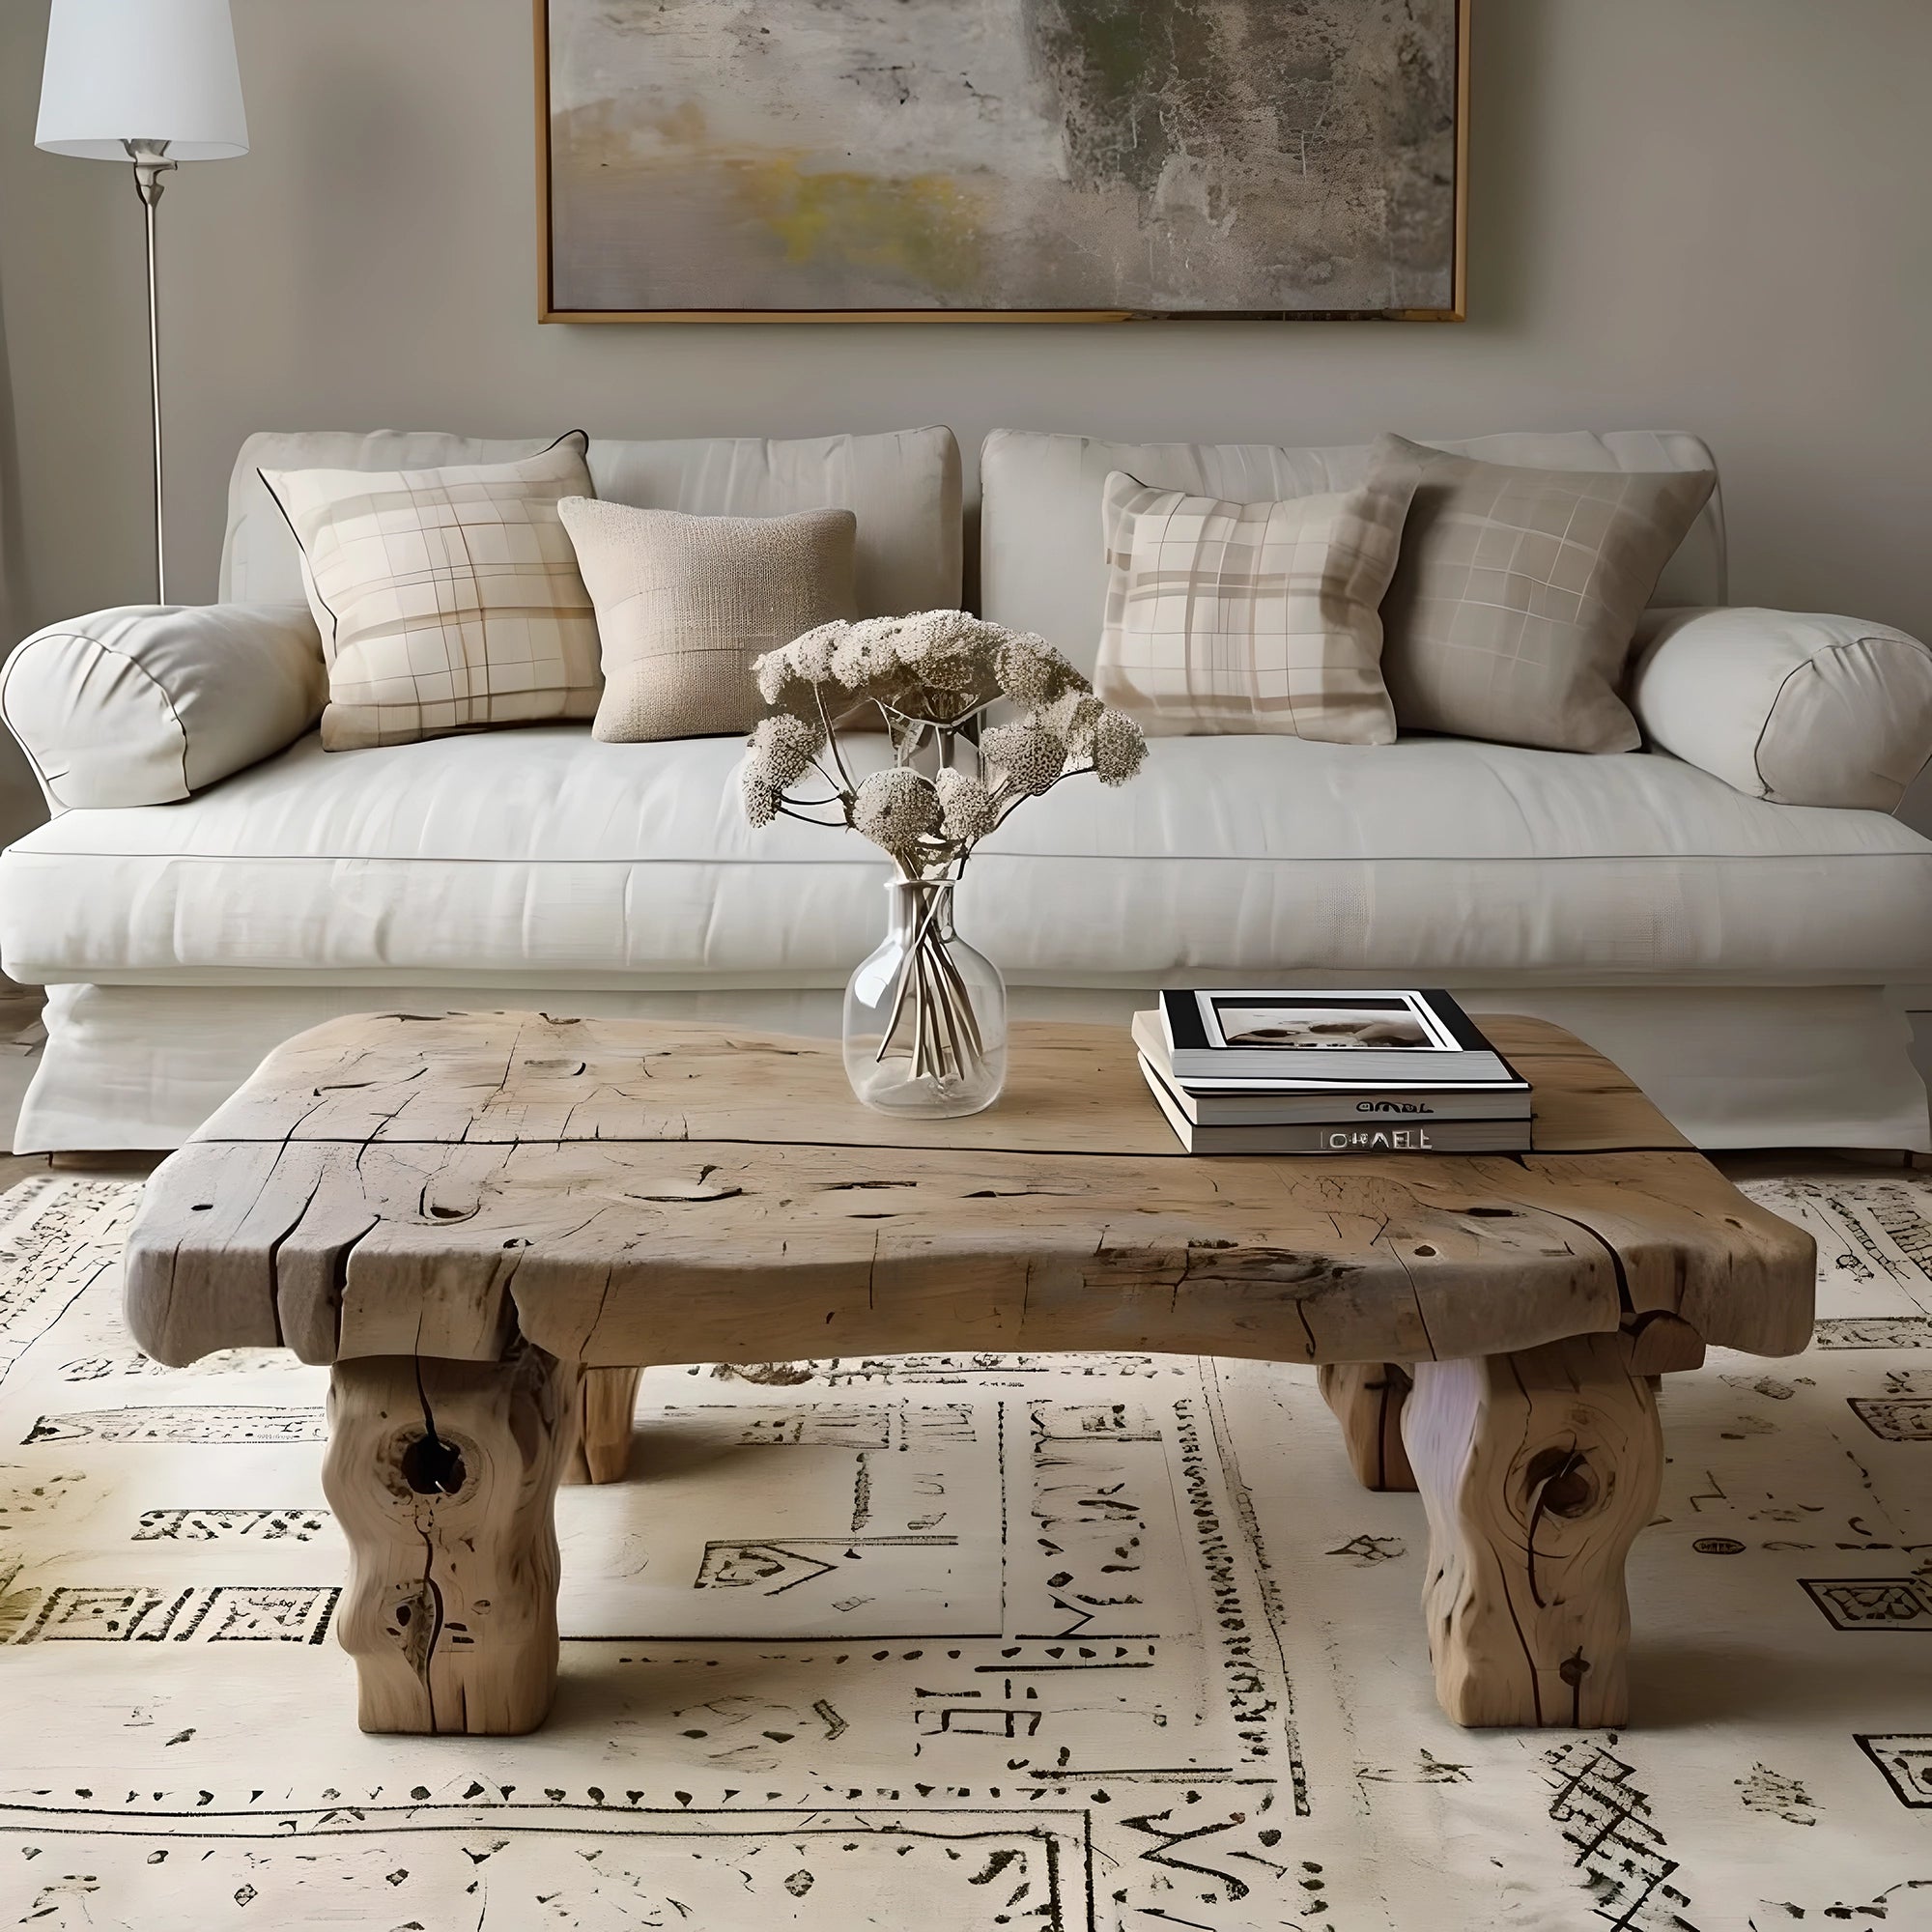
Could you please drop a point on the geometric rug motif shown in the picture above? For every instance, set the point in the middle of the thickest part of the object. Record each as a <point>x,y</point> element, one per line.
<point>1069,1643</point>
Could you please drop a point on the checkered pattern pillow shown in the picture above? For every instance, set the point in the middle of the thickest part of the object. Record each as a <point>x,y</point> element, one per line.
<point>1251,617</point>
<point>448,600</point>
<point>1519,594</point>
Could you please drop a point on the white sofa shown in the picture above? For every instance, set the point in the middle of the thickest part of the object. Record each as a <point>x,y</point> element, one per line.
<point>207,887</point>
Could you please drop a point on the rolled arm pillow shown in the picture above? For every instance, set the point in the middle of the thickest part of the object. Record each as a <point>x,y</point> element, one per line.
<point>1800,710</point>
<point>149,703</point>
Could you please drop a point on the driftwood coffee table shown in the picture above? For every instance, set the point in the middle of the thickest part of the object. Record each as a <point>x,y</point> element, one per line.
<point>486,1222</point>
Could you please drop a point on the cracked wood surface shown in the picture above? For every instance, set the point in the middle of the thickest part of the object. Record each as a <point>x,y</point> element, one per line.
<point>441,1475</point>
<point>626,1192</point>
<point>492,1076</point>
<point>1537,1471</point>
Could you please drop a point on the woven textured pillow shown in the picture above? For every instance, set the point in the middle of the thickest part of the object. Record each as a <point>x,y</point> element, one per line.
<point>448,600</point>
<point>1519,594</point>
<point>684,603</point>
<point>1251,617</point>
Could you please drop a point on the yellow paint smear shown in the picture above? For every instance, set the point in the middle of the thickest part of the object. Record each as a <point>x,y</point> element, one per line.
<point>922,226</point>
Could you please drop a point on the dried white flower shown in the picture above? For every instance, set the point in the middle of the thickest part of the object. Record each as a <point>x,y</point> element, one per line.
<point>772,673</point>
<point>930,671</point>
<point>1118,747</point>
<point>930,633</point>
<point>1031,757</point>
<point>1073,717</point>
<point>895,808</point>
<point>782,748</point>
<point>965,805</point>
<point>811,655</point>
<point>865,652</point>
<point>761,796</point>
<point>951,673</point>
<point>1032,671</point>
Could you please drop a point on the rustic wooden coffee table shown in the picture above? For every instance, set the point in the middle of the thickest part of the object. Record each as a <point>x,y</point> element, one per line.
<point>486,1222</point>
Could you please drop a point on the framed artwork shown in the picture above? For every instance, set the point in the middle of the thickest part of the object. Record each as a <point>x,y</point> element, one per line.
<point>1019,159</point>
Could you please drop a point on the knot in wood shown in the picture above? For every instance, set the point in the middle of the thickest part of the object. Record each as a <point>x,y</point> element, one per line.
<point>1562,1483</point>
<point>432,1466</point>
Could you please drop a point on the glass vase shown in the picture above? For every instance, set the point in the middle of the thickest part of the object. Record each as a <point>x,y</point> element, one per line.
<point>925,1014</point>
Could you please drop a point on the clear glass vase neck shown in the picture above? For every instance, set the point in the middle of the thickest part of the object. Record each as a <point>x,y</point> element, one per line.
<point>912,904</point>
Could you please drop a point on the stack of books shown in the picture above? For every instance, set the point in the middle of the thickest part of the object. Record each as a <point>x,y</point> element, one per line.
<point>1403,1072</point>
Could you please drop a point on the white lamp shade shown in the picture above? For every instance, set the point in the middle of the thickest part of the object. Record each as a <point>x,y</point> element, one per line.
<point>121,71</point>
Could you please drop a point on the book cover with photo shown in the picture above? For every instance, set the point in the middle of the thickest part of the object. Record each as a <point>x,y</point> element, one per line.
<point>1391,1039</point>
<point>1325,1102</point>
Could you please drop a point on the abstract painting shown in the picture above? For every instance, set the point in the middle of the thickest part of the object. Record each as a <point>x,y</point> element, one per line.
<point>1093,158</point>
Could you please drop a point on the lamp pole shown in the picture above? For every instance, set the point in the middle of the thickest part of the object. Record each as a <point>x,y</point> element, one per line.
<point>151,163</point>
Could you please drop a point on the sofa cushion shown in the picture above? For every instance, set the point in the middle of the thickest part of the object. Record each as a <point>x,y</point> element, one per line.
<point>902,486</point>
<point>685,604</point>
<point>448,599</point>
<point>1519,594</point>
<point>148,703</point>
<point>1252,617</point>
<point>1804,709</point>
<point>540,857</point>
<point>1042,565</point>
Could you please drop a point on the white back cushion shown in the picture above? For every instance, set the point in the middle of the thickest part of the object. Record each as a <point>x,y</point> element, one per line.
<point>1042,563</point>
<point>903,487</point>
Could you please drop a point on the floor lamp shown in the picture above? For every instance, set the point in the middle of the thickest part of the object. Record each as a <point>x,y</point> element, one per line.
<point>151,82</point>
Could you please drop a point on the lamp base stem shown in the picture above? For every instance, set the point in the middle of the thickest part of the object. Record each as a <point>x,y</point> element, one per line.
<point>151,163</point>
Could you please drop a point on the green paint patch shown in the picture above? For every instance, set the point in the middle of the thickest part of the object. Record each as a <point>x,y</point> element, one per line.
<point>1140,80</point>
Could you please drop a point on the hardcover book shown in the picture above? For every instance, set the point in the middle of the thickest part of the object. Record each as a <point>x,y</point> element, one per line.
<point>1325,1103</point>
<point>1335,1040</point>
<point>1336,1138</point>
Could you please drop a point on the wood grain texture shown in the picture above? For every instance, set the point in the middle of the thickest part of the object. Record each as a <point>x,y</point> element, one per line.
<point>492,1076</point>
<point>441,1475</point>
<point>1537,1471</point>
<point>607,1402</point>
<point>443,1186</point>
<point>1662,1345</point>
<point>1367,1398</point>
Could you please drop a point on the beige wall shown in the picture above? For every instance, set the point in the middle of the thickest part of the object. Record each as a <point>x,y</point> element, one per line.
<point>1698,214</point>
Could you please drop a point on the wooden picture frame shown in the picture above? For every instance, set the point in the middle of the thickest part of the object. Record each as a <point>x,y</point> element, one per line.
<point>549,310</point>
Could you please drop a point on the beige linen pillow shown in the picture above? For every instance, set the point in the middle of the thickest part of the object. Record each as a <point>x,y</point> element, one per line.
<point>1519,594</point>
<point>684,603</point>
<point>1251,617</point>
<point>448,600</point>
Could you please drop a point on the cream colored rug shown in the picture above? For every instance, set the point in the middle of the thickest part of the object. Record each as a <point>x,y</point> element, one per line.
<point>1060,1644</point>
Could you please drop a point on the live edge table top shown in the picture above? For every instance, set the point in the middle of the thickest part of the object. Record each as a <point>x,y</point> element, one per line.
<point>627,1192</point>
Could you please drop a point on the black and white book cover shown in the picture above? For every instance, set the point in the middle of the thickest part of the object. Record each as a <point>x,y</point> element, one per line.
<point>1393,1038</point>
<point>1269,1102</point>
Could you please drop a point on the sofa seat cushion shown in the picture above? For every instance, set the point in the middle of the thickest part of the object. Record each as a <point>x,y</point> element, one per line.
<point>540,857</point>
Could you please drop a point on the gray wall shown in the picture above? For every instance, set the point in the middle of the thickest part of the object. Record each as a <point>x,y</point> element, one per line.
<point>1689,214</point>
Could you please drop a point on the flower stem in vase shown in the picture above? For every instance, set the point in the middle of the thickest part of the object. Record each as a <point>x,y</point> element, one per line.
<point>927,1012</point>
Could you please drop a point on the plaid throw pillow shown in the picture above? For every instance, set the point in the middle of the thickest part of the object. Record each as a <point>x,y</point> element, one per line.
<point>1519,594</point>
<point>448,600</point>
<point>1251,617</point>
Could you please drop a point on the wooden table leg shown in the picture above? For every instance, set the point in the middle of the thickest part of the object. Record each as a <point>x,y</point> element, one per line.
<point>1367,1397</point>
<point>441,1475</point>
<point>1537,1471</point>
<point>606,1404</point>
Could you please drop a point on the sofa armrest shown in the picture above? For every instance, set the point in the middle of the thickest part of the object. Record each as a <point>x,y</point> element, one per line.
<point>1800,710</point>
<point>149,703</point>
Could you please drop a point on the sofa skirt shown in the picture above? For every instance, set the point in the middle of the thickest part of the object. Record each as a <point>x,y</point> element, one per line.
<point>141,1066</point>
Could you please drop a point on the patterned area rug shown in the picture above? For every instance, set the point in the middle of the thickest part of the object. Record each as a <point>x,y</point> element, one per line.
<point>1070,1644</point>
